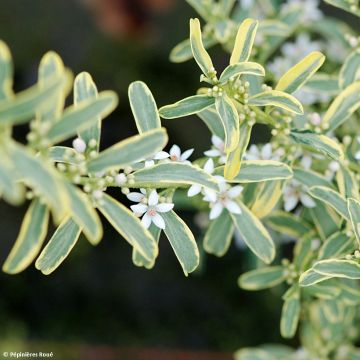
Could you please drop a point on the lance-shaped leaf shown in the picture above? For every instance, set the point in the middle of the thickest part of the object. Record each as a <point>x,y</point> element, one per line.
<point>266,198</point>
<point>323,83</point>
<point>325,290</point>
<point>263,278</point>
<point>219,234</point>
<point>297,76</point>
<point>354,212</point>
<point>251,68</point>
<point>345,5</point>
<point>311,277</point>
<point>182,51</point>
<point>322,143</point>
<point>58,247</point>
<point>244,41</point>
<point>172,174</point>
<point>85,90</point>
<point>212,120</point>
<point>51,66</point>
<point>80,117</point>
<point>6,74</point>
<point>310,178</point>
<point>350,70</point>
<point>62,154</point>
<point>234,158</point>
<point>290,313</point>
<point>83,214</point>
<point>40,175</point>
<point>338,268</point>
<point>10,189</point>
<point>129,151</point>
<point>347,183</point>
<point>254,234</point>
<point>260,170</point>
<point>200,54</point>
<point>138,259</point>
<point>182,241</point>
<point>128,226</point>
<point>337,245</point>
<point>230,120</point>
<point>143,107</point>
<point>202,7</point>
<point>28,243</point>
<point>344,105</point>
<point>332,198</point>
<point>288,224</point>
<point>27,103</point>
<point>278,99</point>
<point>188,106</point>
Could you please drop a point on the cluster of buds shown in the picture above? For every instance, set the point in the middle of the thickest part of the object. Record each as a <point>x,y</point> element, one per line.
<point>290,272</point>
<point>215,91</point>
<point>239,89</point>
<point>282,124</point>
<point>315,123</point>
<point>37,136</point>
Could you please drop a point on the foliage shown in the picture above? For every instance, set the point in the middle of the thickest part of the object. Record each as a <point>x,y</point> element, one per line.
<point>302,185</point>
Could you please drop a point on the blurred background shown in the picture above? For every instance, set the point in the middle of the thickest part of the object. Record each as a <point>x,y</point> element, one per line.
<point>98,305</point>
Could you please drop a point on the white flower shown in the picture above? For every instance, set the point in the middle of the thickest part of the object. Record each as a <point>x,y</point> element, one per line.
<point>150,211</point>
<point>158,156</point>
<point>196,189</point>
<point>309,9</point>
<point>224,199</point>
<point>176,155</point>
<point>79,145</point>
<point>265,153</point>
<point>218,150</point>
<point>295,192</point>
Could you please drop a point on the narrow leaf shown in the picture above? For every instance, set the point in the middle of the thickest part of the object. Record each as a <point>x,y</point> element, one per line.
<point>143,107</point>
<point>263,278</point>
<point>212,120</point>
<point>354,212</point>
<point>58,247</point>
<point>338,268</point>
<point>129,151</point>
<point>290,315</point>
<point>30,239</point>
<point>240,68</point>
<point>311,277</point>
<point>182,241</point>
<point>350,70</point>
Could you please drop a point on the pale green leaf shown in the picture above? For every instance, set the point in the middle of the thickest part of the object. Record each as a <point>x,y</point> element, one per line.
<point>338,268</point>
<point>297,76</point>
<point>218,236</point>
<point>30,239</point>
<point>347,183</point>
<point>321,143</point>
<point>230,120</point>
<point>143,107</point>
<point>344,105</point>
<point>311,277</point>
<point>310,178</point>
<point>58,247</point>
<point>80,117</point>
<point>200,54</point>
<point>262,278</point>
<point>290,315</point>
<point>188,106</point>
<point>85,90</point>
<point>244,41</point>
<point>6,72</point>
<point>129,226</point>
<point>354,212</point>
<point>254,234</point>
<point>278,99</point>
<point>337,245</point>
<point>240,68</point>
<point>332,198</point>
<point>129,151</point>
<point>350,70</point>
<point>172,174</point>
<point>212,120</point>
<point>182,241</point>
<point>322,83</point>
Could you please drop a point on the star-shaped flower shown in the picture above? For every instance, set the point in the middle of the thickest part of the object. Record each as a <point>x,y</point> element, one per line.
<point>218,149</point>
<point>294,193</point>
<point>150,212</point>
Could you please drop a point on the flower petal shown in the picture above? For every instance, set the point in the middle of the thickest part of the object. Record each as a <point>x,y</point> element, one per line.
<point>153,198</point>
<point>161,155</point>
<point>290,202</point>
<point>164,207</point>
<point>212,153</point>
<point>209,166</point>
<point>135,196</point>
<point>210,195</point>
<point>217,142</point>
<point>266,151</point>
<point>175,151</point>
<point>216,211</point>
<point>307,200</point>
<point>158,221</point>
<point>139,208</point>
<point>149,163</point>
<point>194,190</point>
<point>186,154</point>
<point>235,191</point>
<point>233,207</point>
<point>146,220</point>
